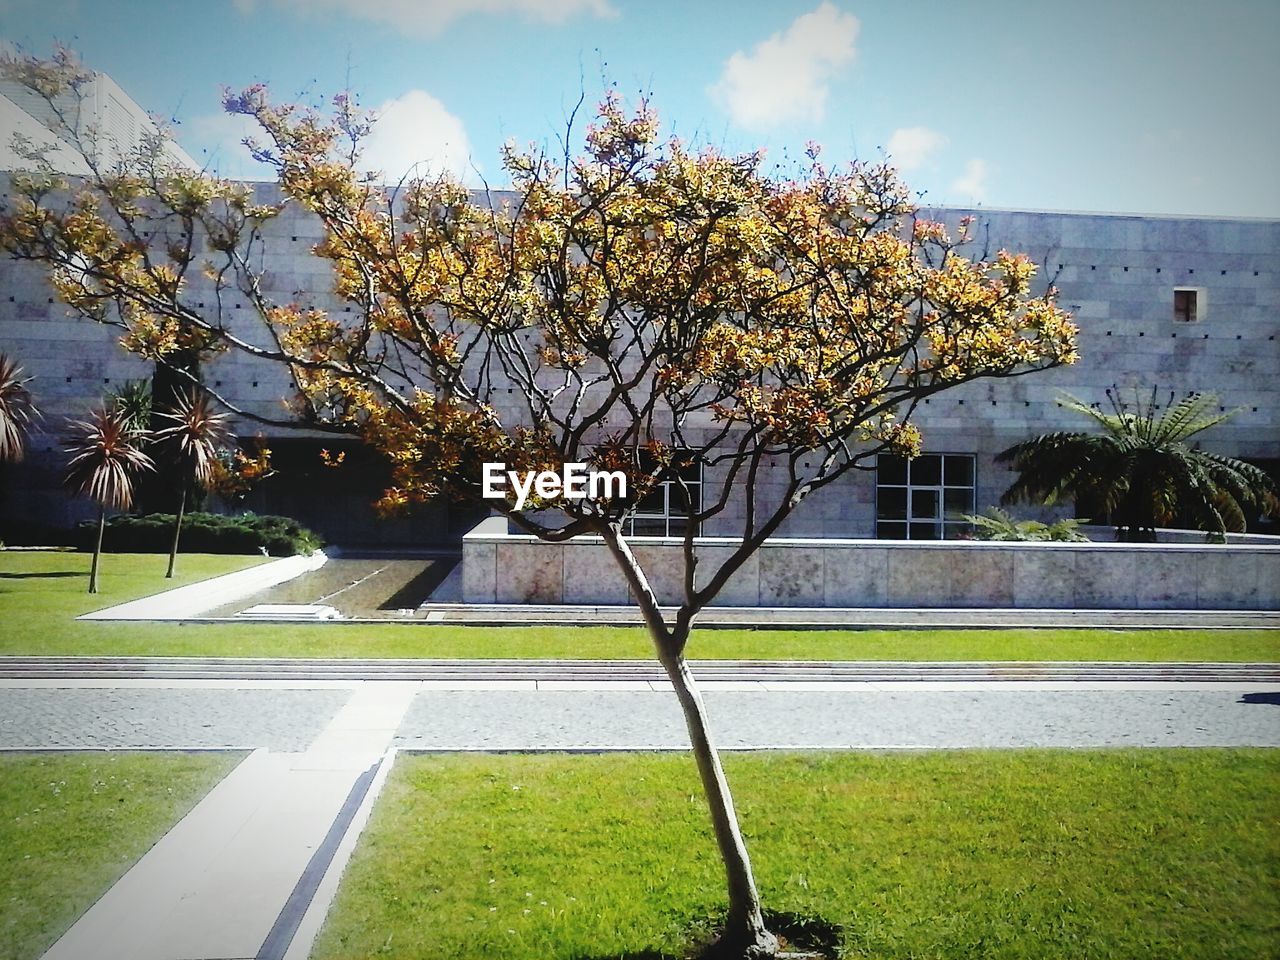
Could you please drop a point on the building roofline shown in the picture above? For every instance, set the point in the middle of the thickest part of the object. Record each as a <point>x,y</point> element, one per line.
<point>1126,215</point>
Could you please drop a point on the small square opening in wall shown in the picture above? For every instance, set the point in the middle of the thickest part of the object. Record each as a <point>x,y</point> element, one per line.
<point>1188,304</point>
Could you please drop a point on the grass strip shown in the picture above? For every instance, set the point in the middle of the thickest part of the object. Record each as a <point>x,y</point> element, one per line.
<point>974,854</point>
<point>71,824</point>
<point>42,593</point>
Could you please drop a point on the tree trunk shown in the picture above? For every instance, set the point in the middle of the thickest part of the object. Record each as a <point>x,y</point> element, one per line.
<point>745,936</point>
<point>97,550</point>
<point>177,532</point>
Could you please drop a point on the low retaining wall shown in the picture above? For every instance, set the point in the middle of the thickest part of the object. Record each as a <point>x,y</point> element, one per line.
<point>500,567</point>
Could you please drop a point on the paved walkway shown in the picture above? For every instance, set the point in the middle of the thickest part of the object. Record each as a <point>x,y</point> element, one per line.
<point>238,876</point>
<point>249,873</point>
<point>291,716</point>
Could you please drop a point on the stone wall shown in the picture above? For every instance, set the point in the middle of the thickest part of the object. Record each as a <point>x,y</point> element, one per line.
<point>1116,273</point>
<point>499,567</point>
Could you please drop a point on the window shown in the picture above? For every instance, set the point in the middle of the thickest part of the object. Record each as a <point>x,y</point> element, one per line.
<point>1188,304</point>
<point>664,512</point>
<point>925,498</point>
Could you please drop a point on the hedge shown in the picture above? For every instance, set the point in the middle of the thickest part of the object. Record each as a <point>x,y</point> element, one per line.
<point>201,533</point>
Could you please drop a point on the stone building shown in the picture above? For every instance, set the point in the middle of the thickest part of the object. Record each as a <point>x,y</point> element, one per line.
<point>1179,303</point>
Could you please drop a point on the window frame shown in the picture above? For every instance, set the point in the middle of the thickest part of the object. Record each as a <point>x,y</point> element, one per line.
<point>670,494</point>
<point>1199,304</point>
<point>943,528</point>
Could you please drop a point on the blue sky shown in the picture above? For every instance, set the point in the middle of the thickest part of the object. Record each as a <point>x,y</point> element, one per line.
<point>1127,106</point>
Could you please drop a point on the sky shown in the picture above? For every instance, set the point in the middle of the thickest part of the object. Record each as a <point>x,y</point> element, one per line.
<point>1139,106</point>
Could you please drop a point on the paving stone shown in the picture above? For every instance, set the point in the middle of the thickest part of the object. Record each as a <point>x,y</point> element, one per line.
<point>164,719</point>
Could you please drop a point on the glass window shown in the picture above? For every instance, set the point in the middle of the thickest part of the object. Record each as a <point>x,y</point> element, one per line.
<point>1186,303</point>
<point>892,469</point>
<point>925,498</point>
<point>891,504</point>
<point>924,502</point>
<point>959,471</point>
<point>925,470</point>
<point>664,510</point>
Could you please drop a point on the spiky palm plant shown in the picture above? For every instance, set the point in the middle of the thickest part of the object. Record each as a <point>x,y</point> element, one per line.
<point>17,410</point>
<point>1139,470</point>
<point>133,399</point>
<point>105,457</point>
<point>196,436</point>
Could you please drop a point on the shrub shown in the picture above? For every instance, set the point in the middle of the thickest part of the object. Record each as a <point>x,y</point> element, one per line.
<point>995,524</point>
<point>204,533</point>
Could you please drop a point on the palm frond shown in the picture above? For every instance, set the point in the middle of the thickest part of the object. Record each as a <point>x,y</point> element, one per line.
<point>104,458</point>
<point>1056,466</point>
<point>1116,424</point>
<point>18,411</point>
<point>1191,415</point>
<point>197,435</point>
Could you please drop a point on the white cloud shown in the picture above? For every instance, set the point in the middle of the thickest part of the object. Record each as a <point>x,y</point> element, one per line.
<point>412,133</point>
<point>787,77</point>
<point>415,132</point>
<point>432,16</point>
<point>216,141</point>
<point>971,186</point>
<point>909,148</point>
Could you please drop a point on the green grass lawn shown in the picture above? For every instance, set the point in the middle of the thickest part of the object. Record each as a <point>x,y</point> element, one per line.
<point>53,586</point>
<point>72,824</point>
<point>1015,854</point>
<point>42,593</point>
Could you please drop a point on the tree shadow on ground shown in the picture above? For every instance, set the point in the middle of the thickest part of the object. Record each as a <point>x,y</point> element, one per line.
<point>1270,696</point>
<point>52,575</point>
<point>799,935</point>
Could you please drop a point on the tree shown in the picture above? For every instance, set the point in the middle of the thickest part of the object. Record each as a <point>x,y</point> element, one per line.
<point>18,411</point>
<point>105,458</point>
<point>196,437</point>
<point>640,308</point>
<point>1140,471</point>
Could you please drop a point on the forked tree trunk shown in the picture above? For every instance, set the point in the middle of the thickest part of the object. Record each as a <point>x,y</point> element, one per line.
<point>97,550</point>
<point>745,936</point>
<point>177,532</point>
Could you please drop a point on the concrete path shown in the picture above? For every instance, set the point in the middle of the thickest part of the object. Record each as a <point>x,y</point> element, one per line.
<point>195,599</point>
<point>292,716</point>
<point>249,873</point>
<point>237,876</point>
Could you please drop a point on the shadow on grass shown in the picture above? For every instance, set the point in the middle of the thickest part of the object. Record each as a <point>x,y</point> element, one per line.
<point>797,934</point>
<point>1270,696</point>
<point>52,575</point>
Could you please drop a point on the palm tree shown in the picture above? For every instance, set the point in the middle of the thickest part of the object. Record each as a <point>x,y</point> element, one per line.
<point>1140,471</point>
<point>17,411</point>
<point>196,436</point>
<point>104,459</point>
